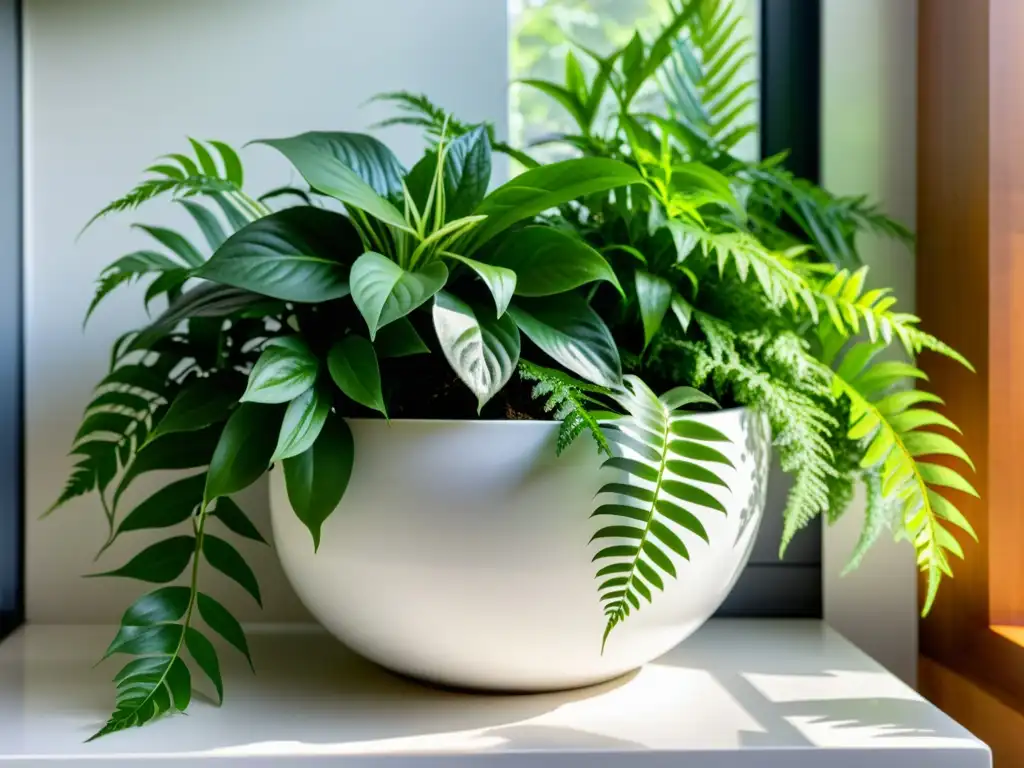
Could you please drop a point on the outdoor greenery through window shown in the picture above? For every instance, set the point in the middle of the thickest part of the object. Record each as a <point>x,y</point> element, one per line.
<point>543,32</point>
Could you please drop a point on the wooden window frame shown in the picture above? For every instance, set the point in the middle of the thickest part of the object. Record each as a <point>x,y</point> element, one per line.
<point>970,293</point>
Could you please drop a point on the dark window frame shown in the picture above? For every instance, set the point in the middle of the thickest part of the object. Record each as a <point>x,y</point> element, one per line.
<point>12,542</point>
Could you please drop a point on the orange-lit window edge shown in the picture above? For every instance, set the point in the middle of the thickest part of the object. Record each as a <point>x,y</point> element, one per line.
<point>1011,633</point>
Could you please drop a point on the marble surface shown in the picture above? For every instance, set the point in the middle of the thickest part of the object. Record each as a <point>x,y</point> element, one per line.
<point>739,693</point>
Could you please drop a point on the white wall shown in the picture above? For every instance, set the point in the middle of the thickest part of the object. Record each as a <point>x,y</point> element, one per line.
<point>869,50</point>
<point>111,84</point>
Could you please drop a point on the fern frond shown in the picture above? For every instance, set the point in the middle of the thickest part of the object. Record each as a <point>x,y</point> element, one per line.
<point>850,308</point>
<point>183,176</point>
<point>777,274</point>
<point>661,450</point>
<point>701,81</point>
<point>756,372</point>
<point>437,123</point>
<point>892,425</point>
<point>567,400</point>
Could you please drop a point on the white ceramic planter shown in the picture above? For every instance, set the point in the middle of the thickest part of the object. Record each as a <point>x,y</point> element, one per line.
<point>460,554</point>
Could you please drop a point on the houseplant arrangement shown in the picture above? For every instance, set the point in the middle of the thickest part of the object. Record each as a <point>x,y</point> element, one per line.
<point>655,262</point>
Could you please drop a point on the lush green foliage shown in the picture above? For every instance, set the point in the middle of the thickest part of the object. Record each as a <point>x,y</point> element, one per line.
<point>652,261</point>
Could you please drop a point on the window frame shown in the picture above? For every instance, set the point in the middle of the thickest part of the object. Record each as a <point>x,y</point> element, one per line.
<point>12,544</point>
<point>971,294</point>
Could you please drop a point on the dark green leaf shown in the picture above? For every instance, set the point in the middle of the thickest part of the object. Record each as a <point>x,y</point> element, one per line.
<point>356,169</point>
<point>316,480</point>
<point>621,510</point>
<point>182,450</point>
<point>682,517</point>
<point>172,504</point>
<point>145,640</point>
<point>571,333</point>
<point>399,339</point>
<point>548,186</point>
<point>548,261</point>
<point>352,363</point>
<point>243,451</point>
<point>226,559</point>
<point>202,402</point>
<point>467,172</point>
<point>160,606</point>
<point>619,532</point>
<point>224,624</point>
<point>205,654</point>
<point>303,420</point>
<point>229,513</point>
<point>384,291</point>
<point>298,254</point>
<point>160,563</point>
<point>654,294</point>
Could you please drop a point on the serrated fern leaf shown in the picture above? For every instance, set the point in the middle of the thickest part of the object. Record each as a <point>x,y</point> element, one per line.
<point>567,399</point>
<point>660,452</point>
<point>893,424</point>
<point>851,309</point>
<point>776,274</point>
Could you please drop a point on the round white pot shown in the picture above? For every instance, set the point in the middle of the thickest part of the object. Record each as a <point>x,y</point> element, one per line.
<point>460,553</point>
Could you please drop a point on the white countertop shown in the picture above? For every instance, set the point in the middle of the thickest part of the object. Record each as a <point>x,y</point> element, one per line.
<point>770,694</point>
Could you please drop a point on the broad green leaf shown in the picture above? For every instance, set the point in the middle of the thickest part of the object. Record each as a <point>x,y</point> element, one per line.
<point>203,652</point>
<point>303,419</point>
<point>352,363</point>
<point>399,339</point>
<point>482,351</point>
<point>298,254</point>
<point>683,311</point>
<point>570,332</point>
<point>226,559</point>
<point>359,176</point>
<point>384,291</point>
<point>281,374</point>
<point>654,294</point>
<point>243,451</point>
<point>234,519</point>
<point>220,620</point>
<point>548,186</point>
<point>316,480</point>
<point>467,172</point>
<point>182,450</point>
<point>159,563</point>
<point>172,504</point>
<point>547,261</point>
<point>201,403</point>
<point>501,282</point>
<point>696,430</point>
